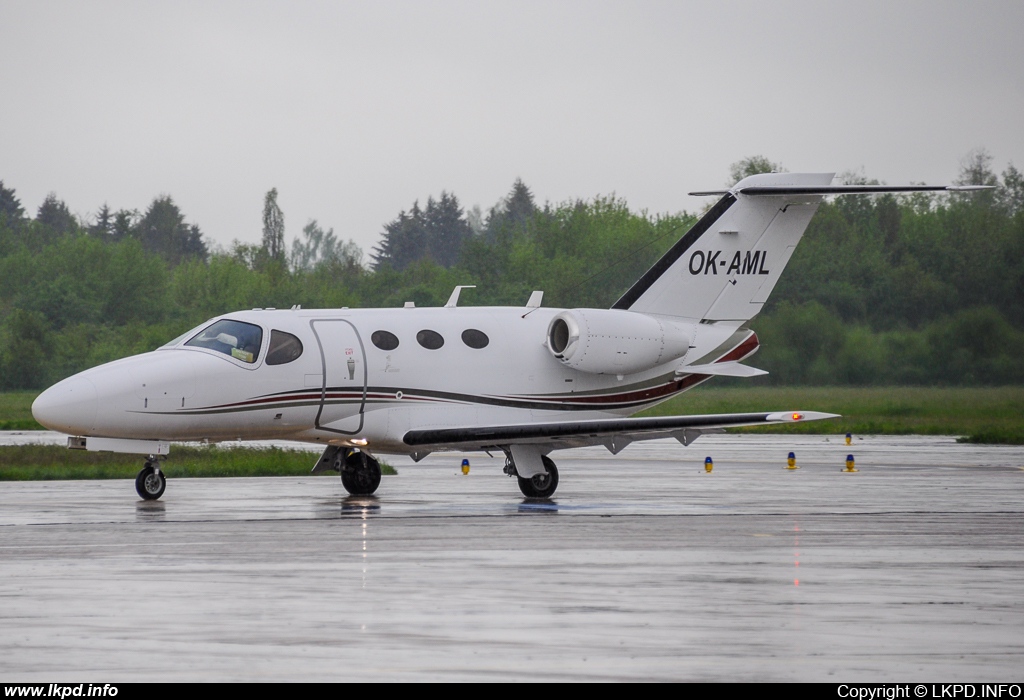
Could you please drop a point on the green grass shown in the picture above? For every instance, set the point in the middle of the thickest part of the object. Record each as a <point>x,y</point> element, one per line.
<point>51,462</point>
<point>16,411</point>
<point>982,414</point>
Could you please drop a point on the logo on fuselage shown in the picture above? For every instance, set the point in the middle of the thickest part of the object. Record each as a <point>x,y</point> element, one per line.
<point>750,262</point>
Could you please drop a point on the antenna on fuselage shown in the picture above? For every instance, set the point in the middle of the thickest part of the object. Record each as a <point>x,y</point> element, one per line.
<point>453,300</point>
<point>534,303</point>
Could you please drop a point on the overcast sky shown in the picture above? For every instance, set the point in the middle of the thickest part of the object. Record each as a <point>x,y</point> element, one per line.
<point>354,110</point>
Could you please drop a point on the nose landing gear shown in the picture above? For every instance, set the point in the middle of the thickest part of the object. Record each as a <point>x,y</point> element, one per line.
<point>360,473</point>
<point>150,482</point>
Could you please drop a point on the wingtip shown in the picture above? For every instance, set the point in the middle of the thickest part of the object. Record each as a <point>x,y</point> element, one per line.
<point>798,416</point>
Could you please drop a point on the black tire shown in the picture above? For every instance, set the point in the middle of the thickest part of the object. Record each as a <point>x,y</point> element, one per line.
<point>541,485</point>
<point>360,475</point>
<point>150,483</point>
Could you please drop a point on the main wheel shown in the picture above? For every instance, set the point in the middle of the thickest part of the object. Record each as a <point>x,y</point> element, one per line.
<point>150,483</point>
<point>360,474</point>
<point>541,485</point>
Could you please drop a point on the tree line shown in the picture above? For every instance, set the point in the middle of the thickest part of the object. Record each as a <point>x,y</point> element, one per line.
<point>922,289</point>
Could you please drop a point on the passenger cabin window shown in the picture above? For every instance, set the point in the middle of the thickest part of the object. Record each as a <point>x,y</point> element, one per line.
<point>431,340</point>
<point>384,340</point>
<point>284,348</point>
<point>475,339</point>
<point>239,340</point>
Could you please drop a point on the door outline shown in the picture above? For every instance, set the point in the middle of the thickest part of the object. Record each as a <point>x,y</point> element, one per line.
<point>323,368</point>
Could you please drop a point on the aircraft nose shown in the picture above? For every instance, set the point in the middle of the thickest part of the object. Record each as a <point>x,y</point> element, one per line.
<point>68,407</point>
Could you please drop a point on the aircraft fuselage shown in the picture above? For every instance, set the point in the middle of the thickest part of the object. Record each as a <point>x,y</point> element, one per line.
<point>448,367</point>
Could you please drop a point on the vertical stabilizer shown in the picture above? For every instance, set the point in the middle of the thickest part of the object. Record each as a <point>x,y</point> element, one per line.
<point>724,268</point>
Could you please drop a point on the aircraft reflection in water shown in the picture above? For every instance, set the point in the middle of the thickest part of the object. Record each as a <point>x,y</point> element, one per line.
<point>524,381</point>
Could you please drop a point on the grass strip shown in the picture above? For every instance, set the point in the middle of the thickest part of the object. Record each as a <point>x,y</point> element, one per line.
<point>20,425</point>
<point>16,411</point>
<point>52,462</point>
<point>982,414</point>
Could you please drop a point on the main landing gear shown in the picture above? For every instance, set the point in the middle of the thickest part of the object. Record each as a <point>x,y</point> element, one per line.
<point>538,485</point>
<point>150,482</point>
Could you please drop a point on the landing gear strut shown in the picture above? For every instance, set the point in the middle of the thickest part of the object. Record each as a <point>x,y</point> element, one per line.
<point>538,485</point>
<point>360,473</point>
<point>150,482</point>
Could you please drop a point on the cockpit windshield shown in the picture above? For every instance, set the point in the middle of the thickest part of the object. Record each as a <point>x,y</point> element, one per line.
<point>239,340</point>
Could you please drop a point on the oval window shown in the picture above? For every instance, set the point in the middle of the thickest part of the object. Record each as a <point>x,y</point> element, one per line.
<point>475,339</point>
<point>235,338</point>
<point>384,340</point>
<point>431,340</point>
<point>284,348</point>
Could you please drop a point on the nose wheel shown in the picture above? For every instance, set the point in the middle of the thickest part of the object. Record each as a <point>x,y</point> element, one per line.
<point>150,482</point>
<point>360,473</point>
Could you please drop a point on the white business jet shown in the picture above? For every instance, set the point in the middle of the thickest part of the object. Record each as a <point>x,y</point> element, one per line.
<point>523,381</point>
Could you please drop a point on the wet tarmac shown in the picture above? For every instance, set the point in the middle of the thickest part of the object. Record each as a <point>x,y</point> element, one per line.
<point>643,567</point>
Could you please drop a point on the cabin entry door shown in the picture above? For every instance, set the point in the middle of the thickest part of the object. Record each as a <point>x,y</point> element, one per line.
<point>343,393</point>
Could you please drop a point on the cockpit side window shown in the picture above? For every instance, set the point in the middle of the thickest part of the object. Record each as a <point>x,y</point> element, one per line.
<point>239,340</point>
<point>284,348</point>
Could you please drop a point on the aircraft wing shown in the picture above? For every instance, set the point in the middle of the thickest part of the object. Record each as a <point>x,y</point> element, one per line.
<point>614,433</point>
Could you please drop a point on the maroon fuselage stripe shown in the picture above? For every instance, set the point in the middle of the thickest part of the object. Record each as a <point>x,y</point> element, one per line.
<point>749,345</point>
<point>742,350</point>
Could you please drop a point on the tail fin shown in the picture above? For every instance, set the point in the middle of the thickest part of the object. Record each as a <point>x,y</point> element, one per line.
<point>725,267</point>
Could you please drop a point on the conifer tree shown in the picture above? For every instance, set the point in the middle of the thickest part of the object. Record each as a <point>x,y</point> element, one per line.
<point>273,227</point>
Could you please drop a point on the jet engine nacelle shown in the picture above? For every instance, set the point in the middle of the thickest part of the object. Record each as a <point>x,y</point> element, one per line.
<point>608,341</point>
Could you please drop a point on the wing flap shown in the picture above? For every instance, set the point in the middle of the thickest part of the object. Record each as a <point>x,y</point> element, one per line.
<point>596,432</point>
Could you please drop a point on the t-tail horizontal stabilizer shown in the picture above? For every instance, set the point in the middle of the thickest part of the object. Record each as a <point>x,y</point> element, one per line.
<point>722,369</point>
<point>783,190</point>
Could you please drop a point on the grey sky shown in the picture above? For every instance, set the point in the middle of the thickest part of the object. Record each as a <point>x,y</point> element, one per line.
<point>354,110</point>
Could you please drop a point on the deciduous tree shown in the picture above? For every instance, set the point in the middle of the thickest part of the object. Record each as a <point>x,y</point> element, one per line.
<point>754,165</point>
